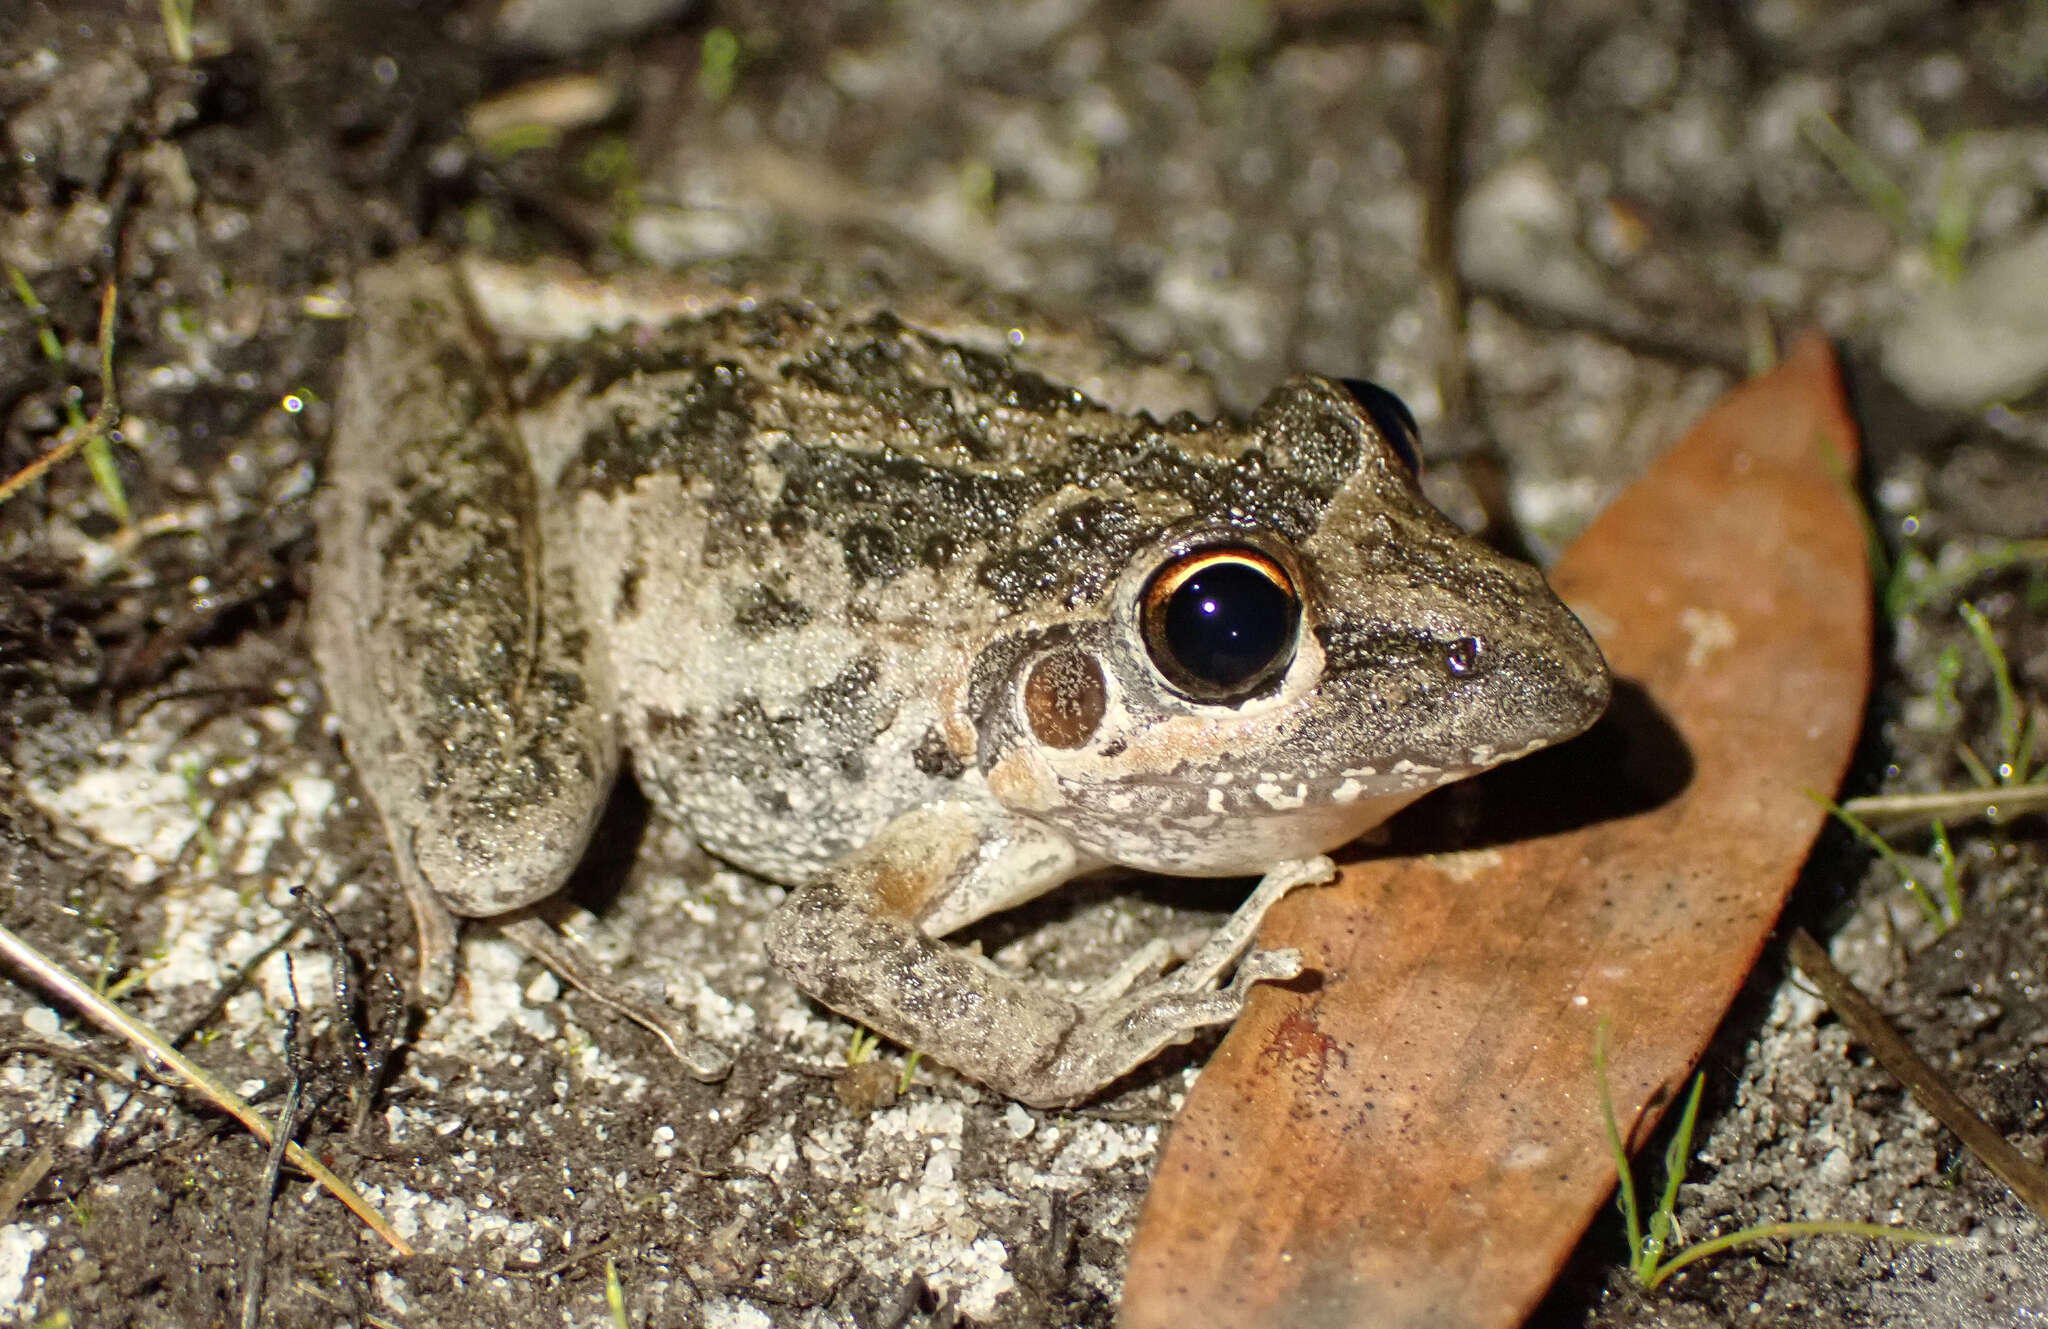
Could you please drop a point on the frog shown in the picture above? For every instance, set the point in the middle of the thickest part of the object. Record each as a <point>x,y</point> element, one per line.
<point>904,610</point>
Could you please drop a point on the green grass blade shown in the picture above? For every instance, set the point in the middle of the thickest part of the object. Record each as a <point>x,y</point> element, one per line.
<point>1951,881</point>
<point>1860,169</point>
<point>1954,211</point>
<point>1777,1231</point>
<point>1921,895</point>
<point>1924,584</point>
<point>1626,1182</point>
<point>2001,686</point>
<point>1676,1155</point>
<point>2023,749</point>
<point>615,1295</point>
<point>718,64</point>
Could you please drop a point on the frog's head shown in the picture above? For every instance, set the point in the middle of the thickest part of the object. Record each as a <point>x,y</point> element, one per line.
<point>1268,678</point>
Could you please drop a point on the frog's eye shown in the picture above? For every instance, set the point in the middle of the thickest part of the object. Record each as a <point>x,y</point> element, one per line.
<point>1220,623</point>
<point>1389,414</point>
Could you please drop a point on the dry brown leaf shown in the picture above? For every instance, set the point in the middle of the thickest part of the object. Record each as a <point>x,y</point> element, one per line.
<point>1418,1140</point>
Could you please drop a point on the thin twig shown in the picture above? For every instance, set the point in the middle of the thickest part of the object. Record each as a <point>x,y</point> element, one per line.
<point>215,1004</point>
<point>31,1175</point>
<point>2028,1180</point>
<point>1996,802</point>
<point>287,1125</point>
<point>53,978</point>
<point>55,1052</point>
<point>386,1018</point>
<point>355,1048</point>
<point>79,433</point>
<point>567,1262</point>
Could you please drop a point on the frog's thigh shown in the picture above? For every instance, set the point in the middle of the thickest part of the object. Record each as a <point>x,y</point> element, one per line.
<point>454,654</point>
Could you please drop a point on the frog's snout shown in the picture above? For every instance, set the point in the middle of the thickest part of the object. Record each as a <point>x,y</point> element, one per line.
<point>1574,682</point>
<point>1531,678</point>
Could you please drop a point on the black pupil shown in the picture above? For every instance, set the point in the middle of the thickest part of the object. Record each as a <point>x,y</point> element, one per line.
<point>1227,624</point>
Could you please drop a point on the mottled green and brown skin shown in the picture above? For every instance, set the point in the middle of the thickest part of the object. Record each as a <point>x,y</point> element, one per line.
<point>862,598</point>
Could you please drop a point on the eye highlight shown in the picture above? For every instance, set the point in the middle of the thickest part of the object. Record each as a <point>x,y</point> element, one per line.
<point>1220,623</point>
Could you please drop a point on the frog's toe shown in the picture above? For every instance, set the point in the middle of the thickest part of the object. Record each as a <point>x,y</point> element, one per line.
<point>1275,966</point>
<point>704,1060</point>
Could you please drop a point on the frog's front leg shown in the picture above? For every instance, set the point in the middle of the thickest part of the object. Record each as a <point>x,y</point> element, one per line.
<point>855,939</point>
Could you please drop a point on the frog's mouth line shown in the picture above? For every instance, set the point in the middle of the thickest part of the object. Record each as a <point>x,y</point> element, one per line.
<point>1284,790</point>
<point>1404,775</point>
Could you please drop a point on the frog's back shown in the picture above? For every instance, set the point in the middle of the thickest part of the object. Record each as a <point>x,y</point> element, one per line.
<point>797,529</point>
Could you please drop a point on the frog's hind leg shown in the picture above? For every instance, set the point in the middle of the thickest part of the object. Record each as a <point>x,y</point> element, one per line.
<point>434,924</point>
<point>702,1059</point>
<point>474,704</point>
